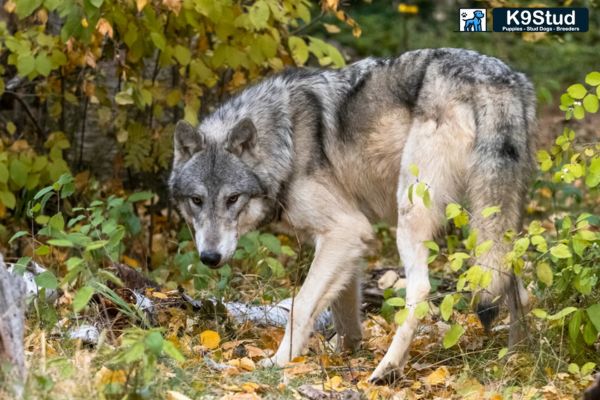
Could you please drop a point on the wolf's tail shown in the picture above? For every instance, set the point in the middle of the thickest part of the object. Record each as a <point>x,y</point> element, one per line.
<point>499,173</point>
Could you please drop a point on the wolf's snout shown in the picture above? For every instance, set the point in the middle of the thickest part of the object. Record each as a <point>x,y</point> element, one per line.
<point>210,258</point>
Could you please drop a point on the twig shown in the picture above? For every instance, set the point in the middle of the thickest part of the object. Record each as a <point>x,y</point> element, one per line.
<point>29,113</point>
<point>85,107</point>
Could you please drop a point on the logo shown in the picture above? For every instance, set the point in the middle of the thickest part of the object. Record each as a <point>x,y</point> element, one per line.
<point>569,19</point>
<point>472,20</point>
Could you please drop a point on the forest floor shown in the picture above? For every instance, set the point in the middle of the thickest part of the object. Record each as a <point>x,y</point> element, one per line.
<point>220,357</point>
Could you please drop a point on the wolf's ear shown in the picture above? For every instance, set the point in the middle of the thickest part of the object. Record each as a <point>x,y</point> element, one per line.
<point>242,137</point>
<point>187,141</point>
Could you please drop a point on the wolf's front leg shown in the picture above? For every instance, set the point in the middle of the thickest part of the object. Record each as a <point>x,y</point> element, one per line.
<point>334,267</point>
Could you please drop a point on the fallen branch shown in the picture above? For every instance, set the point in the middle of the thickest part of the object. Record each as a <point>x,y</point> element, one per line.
<point>12,325</point>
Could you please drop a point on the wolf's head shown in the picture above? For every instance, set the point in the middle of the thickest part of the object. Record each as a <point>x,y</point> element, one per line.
<point>216,190</point>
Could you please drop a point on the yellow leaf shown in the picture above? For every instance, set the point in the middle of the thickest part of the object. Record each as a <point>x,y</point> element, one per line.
<point>140,4</point>
<point>332,28</point>
<point>437,377</point>
<point>331,5</point>
<point>132,262</point>
<point>84,22</point>
<point>160,295</point>
<point>104,28</point>
<point>173,5</point>
<point>210,339</point>
<point>250,387</point>
<point>408,8</point>
<point>247,364</point>
<point>107,376</point>
<point>334,383</point>
<point>173,395</point>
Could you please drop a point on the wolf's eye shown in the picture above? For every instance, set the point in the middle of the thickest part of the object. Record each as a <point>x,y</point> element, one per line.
<point>232,199</point>
<point>197,201</point>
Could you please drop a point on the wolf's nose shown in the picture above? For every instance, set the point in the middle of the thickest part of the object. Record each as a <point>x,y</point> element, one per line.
<point>210,258</point>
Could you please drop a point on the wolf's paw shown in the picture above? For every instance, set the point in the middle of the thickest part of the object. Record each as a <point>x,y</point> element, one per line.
<point>386,374</point>
<point>267,362</point>
<point>346,344</point>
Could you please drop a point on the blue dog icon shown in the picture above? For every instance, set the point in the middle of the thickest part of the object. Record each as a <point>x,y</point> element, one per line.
<point>473,24</point>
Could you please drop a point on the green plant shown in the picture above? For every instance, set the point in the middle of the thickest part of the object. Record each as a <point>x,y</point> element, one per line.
<point>132,368</point>
<point>88,239</point>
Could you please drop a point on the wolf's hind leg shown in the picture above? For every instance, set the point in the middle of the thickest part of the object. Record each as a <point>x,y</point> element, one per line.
<point>498,186</point>
<point>346,316</point>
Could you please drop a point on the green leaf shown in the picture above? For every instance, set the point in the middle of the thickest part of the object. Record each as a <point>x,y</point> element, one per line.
<point>182,55</point>
<point>593,78</point>
<point>18,172</point>
<point>82,298</point>
<point>575,325</point>
<point>453,210</point>
<point>159,40</point>
<point>587,368</point>
<point>4,175</point>
<point>98,244</point>
<point>25,64</point>
<point>276,267</point>
<point>299,49</point>
<point>453,335</point>
<point>576,91</point>
<point>259,14</point>
<point>271,242</point>
<point>57,221</point>
<point>593,313</point>
<point>590,333</point>
<point>562,313</point>
<point>401,316</point>
<point>154,343</point>
<point>578,112</point>
<point>414,170</point>
<point>26,7</point>
<point>446,307</point>
<point>560,251</point>
<point>396,302</point>
<point>16,236</point>
<point>140,196</point>
<point>135,353</point>
<point>502,353</point>
<point>421,309</point>
<point>46,280</point>
<point>483,248</point>
<point>590,103</point>
<point>490,211</point>
<point>573,369</point>
<point>124,98</point>
<point>538,312</point>
<point>544,273</point>
<point>8,199</point>
<point>60,243</point>
<point>170,350</point>
<point>43,65</point>
<point>96,3</point>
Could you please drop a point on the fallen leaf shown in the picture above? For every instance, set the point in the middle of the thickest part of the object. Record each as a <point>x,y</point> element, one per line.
<point>210,339</point>
<point>173,395</point>
<point>437,377</point>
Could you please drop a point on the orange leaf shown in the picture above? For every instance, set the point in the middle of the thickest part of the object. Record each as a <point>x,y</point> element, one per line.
<point>210,339</point>
<point>437,377</point>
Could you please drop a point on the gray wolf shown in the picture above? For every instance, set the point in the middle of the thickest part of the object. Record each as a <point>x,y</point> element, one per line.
<point>328,152</point>
<point>474,24</point>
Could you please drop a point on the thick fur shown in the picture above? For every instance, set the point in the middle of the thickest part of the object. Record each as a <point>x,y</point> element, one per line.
<point>328,152</point>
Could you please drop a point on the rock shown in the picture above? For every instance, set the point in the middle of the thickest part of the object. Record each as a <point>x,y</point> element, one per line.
<point>88,334</point>
<point>387,280</point>
<point>400,284</point>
